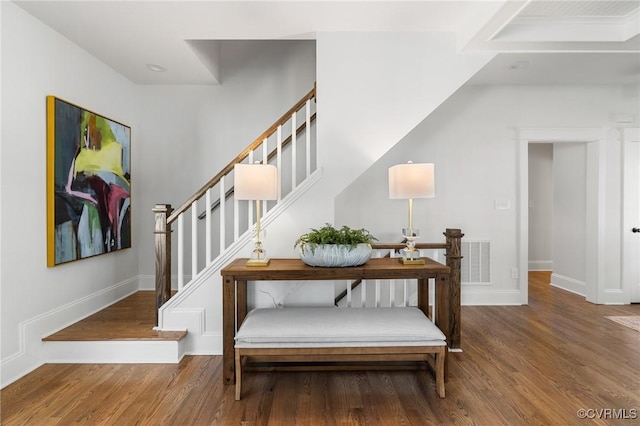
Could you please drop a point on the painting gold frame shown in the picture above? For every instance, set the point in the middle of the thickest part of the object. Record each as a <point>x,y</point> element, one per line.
<point>88,183</point>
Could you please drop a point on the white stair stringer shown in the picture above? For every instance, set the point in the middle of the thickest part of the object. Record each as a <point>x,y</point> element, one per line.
<point>197,308</point>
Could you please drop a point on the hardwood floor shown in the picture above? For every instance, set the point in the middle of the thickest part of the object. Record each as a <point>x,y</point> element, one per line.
<point>537,364</point>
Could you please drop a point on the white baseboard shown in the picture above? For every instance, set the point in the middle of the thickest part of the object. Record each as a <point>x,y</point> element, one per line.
<point>616,297</point>
<point>204,344</point>
<point>17,366</point>
<point>541,265</point>
<point>485,297</point>
<point>568,284</point>
<point>148,282</point>
<point>31,354</point>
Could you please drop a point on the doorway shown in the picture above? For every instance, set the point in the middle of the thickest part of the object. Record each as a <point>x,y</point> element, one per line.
<point>594,209</point>
<point>557,216</point>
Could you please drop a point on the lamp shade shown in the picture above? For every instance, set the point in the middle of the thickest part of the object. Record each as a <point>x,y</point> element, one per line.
<point>255,182</point>
<point>412,180</point>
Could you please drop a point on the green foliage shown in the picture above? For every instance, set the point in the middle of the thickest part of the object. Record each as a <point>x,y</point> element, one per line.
<point>330,235</point>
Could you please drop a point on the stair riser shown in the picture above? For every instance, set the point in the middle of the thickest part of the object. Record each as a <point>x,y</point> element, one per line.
<point>114,352</point>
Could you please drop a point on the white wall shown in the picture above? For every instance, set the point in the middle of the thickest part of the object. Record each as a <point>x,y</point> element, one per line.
<point>569,216</point>
<point>373,88</point>
<point>36,300</point>
<point>540,206</point>
<point>472,139</point>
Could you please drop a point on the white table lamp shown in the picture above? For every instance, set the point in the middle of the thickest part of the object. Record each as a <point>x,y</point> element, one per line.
<point>257,182</point>
<point>409,181</point>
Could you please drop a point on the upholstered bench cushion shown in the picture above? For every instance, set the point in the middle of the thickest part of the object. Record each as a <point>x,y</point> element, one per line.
<point>310,327</point>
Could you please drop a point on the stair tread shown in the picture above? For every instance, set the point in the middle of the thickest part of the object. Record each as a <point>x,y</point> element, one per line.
<point>131,319</point>
<point>65,336</point>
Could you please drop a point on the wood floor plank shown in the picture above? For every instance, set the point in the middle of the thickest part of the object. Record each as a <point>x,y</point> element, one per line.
<point>537,364</point>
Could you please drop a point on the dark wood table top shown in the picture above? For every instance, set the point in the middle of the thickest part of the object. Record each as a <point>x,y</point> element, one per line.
<point>295,269</point>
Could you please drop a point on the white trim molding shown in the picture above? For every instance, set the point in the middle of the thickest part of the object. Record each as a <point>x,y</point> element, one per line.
<point>568,284</point>
<point>541,265</point>
<point>485,297</point>
<point>630,141</point>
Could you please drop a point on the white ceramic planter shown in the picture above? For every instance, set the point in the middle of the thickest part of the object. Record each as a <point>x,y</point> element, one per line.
<point>334,255</point>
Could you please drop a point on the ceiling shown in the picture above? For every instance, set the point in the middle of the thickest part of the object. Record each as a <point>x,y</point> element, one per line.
<point>575,41</point>
<point>568,68</point>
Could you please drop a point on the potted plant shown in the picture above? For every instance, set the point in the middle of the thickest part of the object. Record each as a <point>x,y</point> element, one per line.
<point>332,247</point>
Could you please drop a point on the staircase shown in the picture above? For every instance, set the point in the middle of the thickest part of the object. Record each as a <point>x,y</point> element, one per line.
<point>213,227</point>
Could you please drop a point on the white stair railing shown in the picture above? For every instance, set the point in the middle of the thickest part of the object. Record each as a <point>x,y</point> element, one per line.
<point>207,224</point>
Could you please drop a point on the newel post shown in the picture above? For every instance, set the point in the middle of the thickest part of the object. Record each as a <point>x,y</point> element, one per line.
<point>454,257</point>
<point>163,254</point>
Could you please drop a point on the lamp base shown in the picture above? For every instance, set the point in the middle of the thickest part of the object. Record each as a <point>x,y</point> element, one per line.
<point>416,261</point>
<point>258,262</point>
<point>411,255</point>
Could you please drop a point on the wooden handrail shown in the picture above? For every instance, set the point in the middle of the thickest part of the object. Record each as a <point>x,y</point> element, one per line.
<point>272,154</point>
<point>399,246</point>
<point>252,146</point>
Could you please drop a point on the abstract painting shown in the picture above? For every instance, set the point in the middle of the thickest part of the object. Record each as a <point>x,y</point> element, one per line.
<point>88,183</point>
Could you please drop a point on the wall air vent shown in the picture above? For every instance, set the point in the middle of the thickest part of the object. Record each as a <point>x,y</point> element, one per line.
<point>476,262</point>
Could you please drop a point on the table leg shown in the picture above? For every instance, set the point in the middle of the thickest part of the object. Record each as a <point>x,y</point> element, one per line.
<point>241,300</point>
<point>443,305</point>
<point>423,296</point>
<point>443,313</point>
<point>454,314</point>
<point>228,329</point>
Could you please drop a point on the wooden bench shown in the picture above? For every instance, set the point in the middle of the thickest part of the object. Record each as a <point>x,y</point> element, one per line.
<point>346,349</point>
<point>330,334</point>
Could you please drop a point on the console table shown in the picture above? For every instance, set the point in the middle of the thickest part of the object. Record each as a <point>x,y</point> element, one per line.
<point>236,274</point>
